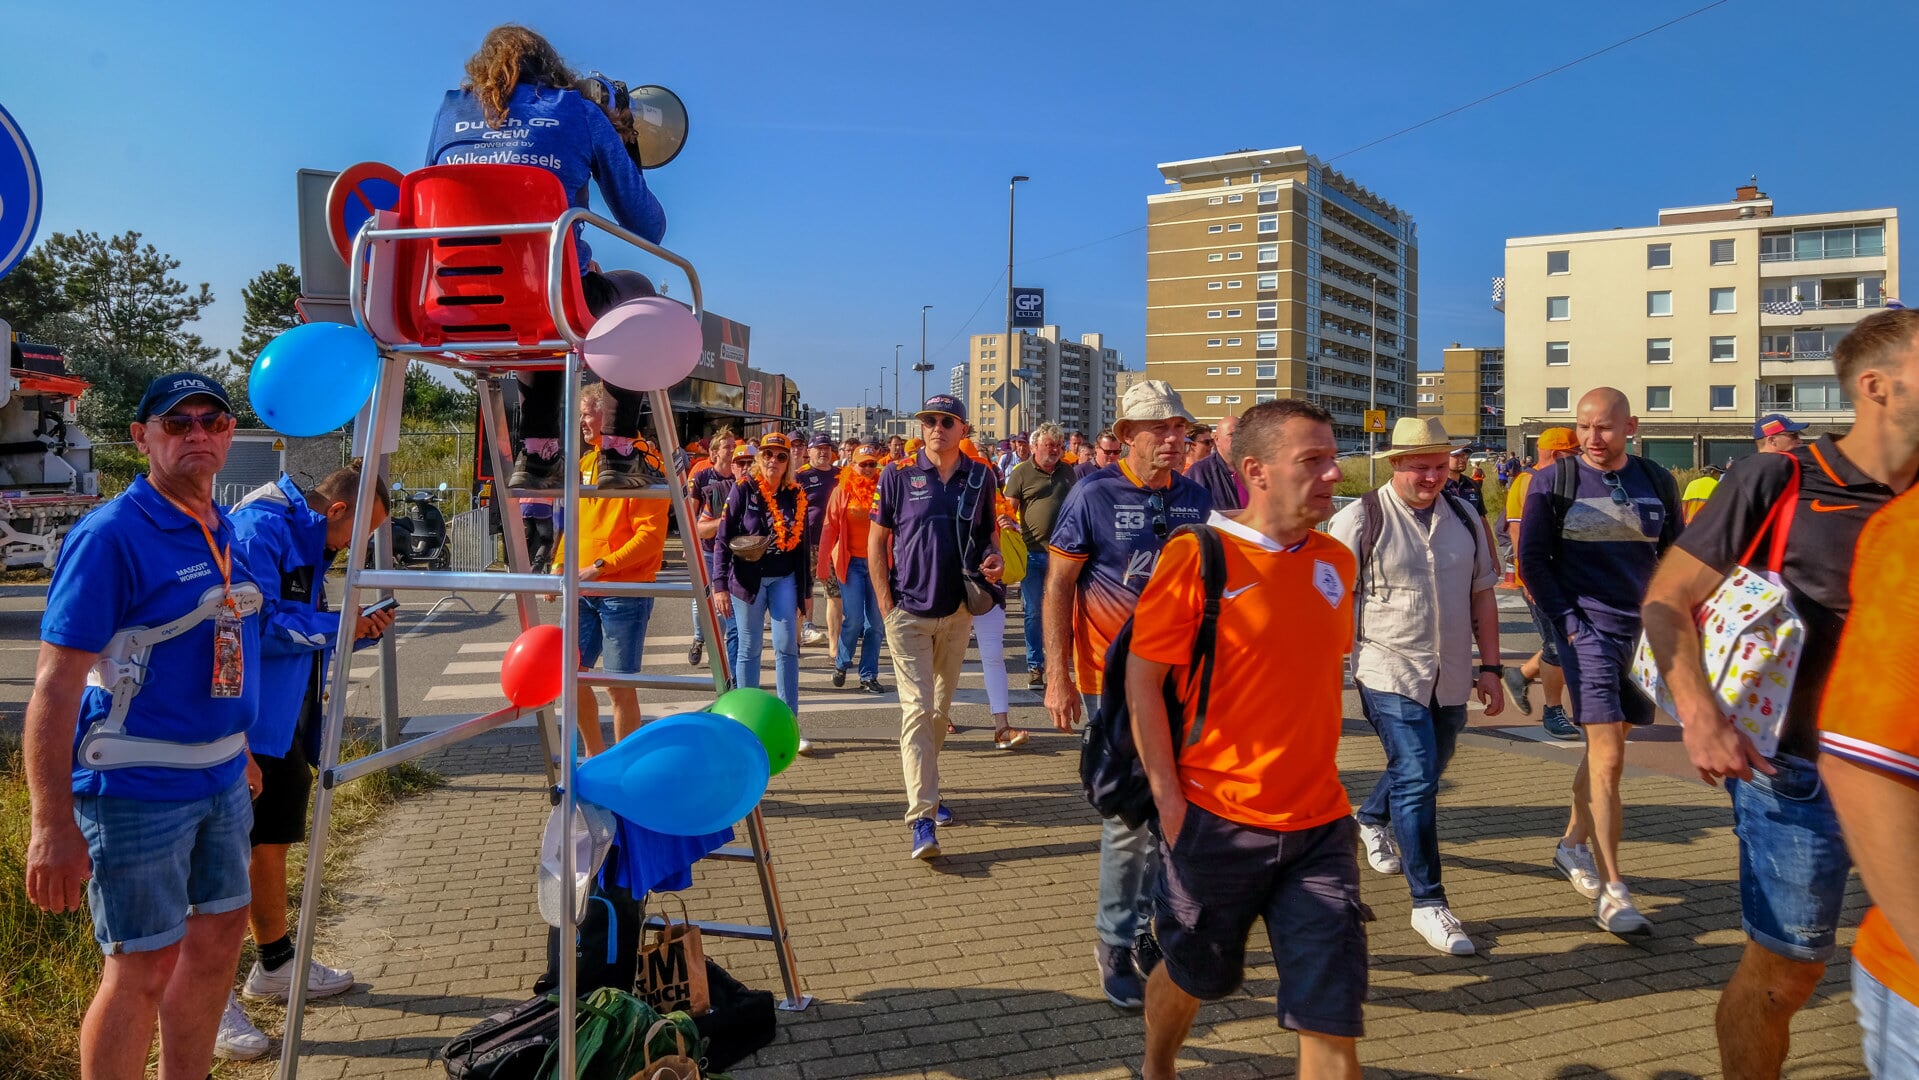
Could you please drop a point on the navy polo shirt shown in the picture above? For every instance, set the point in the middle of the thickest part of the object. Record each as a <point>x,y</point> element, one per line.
<point>818,485</point>
<point>138,561</point>
<point>923,513</point>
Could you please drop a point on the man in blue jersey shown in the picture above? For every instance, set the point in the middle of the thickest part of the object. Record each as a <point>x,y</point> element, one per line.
<point>517,107</point>
<point>140,783</point>
<point>1101,554</point>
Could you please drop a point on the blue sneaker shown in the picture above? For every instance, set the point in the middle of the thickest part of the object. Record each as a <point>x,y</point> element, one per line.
<point>926,842</point>
<point>942,816</point>
<point>1119,978</point>
<point>1558,724</point>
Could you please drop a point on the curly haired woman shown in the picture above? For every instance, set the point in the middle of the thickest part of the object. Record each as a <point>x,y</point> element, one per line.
<point>760,568</point>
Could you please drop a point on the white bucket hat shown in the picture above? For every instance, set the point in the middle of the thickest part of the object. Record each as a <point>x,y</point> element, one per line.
<point>1151,401</point>
<point>1417,435</point>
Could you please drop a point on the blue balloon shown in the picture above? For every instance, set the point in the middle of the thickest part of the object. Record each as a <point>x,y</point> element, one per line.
<point>685,775</point>
<point>314,378</point>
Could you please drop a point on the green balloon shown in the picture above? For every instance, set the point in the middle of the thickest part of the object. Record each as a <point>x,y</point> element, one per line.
<point>768,718</point>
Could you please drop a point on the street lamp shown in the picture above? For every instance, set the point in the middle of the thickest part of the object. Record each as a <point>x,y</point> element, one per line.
<point>1012,370</point>
<point>1372,383</point>
<point>896,378</point>
<point>923,367</point>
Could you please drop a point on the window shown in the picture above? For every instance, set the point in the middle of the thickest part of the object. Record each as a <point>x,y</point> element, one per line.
<point>1214,201</point>
<point>1425,399</point>
<point>1559,353</point>
<point>1269,253</point>
<point>1213,314</point>
<point>1724,301</point>
<point>1658,256</point>
<point>1268,281</point>
<point>1254,179</point>
<point>1232,341</point>
<point>1658,350</point>
<point>1235,198</point>
<point>1212,399</point>
<point>1559,308</point>
<point>1658,399</point>
<point>1215,285</point>
<point>1658,304</point>
<point>1267,311</point>
<point>1265,396</point>
<point>1268,340</point>
<point>1269,197</point>
<point>1557,398</point>
<point>1212,371</point>
<point>1232,399</point>
<point>1235,256</point>
<point>1722,398</point>
<point>1232,371</point>
<point>1724,349</point>
<point>1234,284</point>
<point>1269,223</point>
<point>1215,228</point>
<point>1235,227</point>
<point>1214,257</point>
<point>1212,343</point>
<point>1722,252</point>
<point>1559,262</point>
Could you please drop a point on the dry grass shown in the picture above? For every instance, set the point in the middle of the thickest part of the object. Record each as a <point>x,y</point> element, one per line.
<point>49,964</point>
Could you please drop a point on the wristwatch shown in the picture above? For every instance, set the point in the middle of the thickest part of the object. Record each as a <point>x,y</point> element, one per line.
<point>1493,669</point>
<point>599,564</point>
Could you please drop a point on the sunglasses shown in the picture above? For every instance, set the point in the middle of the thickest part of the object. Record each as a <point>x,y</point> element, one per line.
<point>179,424</point>
<point>942,421</point>
<point>1157,504</point>
<point>867,465</point>
<point>772,455</point>
<point>1617,488</point>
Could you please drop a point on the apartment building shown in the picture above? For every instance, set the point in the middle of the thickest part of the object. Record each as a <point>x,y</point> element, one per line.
<point>1068,382</point>
<point>1270,275</point>
<point>956,381</point>
<point>1714,316</point>
<point>1468,394</point>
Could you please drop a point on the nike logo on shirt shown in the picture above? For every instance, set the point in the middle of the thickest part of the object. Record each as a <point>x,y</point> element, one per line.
<point>1827,508</point>
<point>1230,593</point>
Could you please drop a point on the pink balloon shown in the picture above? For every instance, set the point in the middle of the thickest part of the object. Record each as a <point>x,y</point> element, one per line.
<point>644,344</point>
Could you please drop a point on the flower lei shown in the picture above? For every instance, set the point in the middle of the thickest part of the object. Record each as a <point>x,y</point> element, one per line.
<point>860,490</point>
<point>787,532</point>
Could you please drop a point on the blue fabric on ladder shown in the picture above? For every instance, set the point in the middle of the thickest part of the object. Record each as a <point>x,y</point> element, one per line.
<point>651,861</point>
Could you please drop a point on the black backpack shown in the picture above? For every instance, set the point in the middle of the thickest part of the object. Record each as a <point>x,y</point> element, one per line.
<point>1110,771</point>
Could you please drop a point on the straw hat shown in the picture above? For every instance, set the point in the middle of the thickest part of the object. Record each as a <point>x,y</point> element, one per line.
<point>1417,435</point>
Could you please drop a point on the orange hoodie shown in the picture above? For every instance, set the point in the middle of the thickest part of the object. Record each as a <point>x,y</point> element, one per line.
<point>630,534</point>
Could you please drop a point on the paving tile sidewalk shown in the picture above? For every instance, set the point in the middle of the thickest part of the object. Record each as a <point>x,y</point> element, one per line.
<point>980,964</point>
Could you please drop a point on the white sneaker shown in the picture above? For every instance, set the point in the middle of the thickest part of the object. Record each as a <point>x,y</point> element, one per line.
<point>1616,914</point>
<point>322,981</point>
<point>238,1040</point>
<point>806,748</point>
<point>812,635</point>
<point>1442,930</point>
<point>1576,863</point>
<point>1382,854</point>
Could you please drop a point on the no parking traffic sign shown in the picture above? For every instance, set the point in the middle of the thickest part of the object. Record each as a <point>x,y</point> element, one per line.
<point>20,195</point>
<point>355,195</point>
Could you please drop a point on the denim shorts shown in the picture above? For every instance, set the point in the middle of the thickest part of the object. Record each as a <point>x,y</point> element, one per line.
<point>617,626</point>
<point>155,863</point>
<point>1792,860</point>
<point>1220,877</point>
<point>1891,1026</point>
<point>1548,638</point>
<point>1598,670</point>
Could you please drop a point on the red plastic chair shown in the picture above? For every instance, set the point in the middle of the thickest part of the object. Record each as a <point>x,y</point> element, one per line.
<point>481,288</point>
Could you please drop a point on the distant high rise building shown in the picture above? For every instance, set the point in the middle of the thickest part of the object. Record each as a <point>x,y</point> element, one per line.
<point>1067,382</point>
<point>1264,272</point>
<point>956,381</point>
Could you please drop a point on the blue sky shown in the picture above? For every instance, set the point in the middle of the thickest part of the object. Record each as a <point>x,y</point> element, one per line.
<point>848,162</point>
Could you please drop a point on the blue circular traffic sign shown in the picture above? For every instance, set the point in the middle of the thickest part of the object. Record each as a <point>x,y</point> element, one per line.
<point>20,195</point>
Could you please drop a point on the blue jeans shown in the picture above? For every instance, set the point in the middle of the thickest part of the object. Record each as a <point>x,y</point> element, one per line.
<point>861,622</point>
<point>1032,602</point>
<point>1419,741</point>
<point>732,635</point>
<point>781,598</point>
<point>1793,861</point>
<point>1128,872</point>
<point>1891,1026</point>
<point>617,626</point>
<point>156,863</point>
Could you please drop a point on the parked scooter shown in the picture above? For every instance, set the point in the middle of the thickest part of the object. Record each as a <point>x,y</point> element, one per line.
<point>419,531</point>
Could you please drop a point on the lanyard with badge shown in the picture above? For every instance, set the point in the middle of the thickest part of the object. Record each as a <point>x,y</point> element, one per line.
<point>229,659</point>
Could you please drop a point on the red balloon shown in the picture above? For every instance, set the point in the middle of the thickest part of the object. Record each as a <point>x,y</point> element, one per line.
<point>530,672</point>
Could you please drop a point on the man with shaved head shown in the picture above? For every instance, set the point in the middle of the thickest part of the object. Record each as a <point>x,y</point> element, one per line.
<point>1591,532</point>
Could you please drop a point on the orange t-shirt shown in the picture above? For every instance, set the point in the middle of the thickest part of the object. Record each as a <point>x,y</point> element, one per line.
<point>1267,755</point>
<point>1866,714</point>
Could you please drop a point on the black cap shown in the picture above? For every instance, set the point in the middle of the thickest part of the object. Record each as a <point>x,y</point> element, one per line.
<point>945,403</point>
<point>167,391</point>
<point>821,440</point>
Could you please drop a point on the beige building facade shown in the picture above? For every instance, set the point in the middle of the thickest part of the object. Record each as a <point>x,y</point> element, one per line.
<point>1468,394</point>
<point>1711,318</point>
<point>1270,275</point>
<point>1071,383</point>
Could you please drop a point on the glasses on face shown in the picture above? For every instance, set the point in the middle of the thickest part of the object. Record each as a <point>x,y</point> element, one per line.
<point>867,466</point>
<point>1204,441</point>
<point>1156,503</point>
<point>1617,488</point>
<point>179,424</point>
<point>778,457</point>
<point>942,421</point>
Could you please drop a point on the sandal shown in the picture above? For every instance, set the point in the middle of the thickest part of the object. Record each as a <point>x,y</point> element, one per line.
<point>1009,738</point>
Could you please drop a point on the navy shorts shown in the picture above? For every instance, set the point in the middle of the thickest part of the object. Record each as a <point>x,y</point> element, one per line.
<point>286,788</point>
<point>1598,668</point>
<point>1793,861</point>
<point>1221,876</point>
<point>1548,639</point>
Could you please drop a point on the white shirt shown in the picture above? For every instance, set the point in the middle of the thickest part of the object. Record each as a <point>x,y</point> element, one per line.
<point>1414,603</point>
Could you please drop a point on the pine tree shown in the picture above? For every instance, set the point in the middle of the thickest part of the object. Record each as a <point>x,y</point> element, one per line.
<point>270,312</point>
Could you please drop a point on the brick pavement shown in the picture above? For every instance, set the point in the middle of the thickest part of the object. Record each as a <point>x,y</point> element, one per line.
<point>980,964</point>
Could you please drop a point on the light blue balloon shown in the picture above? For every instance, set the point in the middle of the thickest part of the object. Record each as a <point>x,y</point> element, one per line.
<point>685,775</point>
<point>314,378</point>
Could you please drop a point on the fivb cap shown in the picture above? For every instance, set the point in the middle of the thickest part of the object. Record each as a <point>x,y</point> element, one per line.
<point>167,391</point>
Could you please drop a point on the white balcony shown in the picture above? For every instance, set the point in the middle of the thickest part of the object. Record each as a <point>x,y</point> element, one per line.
<point>1784,266</point>
<point>1786,366</point>
<point>1823,313</point>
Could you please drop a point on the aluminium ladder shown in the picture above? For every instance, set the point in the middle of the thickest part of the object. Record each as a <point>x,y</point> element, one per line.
<point>492,358</point>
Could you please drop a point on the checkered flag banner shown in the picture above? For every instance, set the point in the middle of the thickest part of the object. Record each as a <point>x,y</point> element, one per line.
<point>1499,294</point>
<point>1782,307</point>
